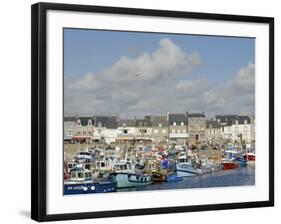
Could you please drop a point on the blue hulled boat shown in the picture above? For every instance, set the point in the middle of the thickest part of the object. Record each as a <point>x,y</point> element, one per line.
<point>82,182</point>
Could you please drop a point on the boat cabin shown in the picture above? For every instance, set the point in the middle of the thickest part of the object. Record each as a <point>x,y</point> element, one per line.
<point>103,165</point>
<point>80,175</point>
<point>70,166</point>
<point>122,167</point>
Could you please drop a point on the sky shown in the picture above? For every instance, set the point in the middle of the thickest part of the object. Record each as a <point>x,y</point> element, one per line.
<point>135,73</point>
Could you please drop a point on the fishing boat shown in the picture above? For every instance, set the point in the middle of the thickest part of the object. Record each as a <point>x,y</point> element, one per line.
<point>184,165</point>
<point>250,158</point>
<point>162,170</point>
<point>189,165</point>
<point>125,175</point>
<point>230,161</point>
<point>82,182</point>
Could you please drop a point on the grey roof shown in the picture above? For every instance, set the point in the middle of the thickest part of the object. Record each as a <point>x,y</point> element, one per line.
<point>106,121</point>
<point>212,124</point>
<point>156,120</point>
<point>70,118</point>
<point>85,120</point>
<point>143,123</point>
<point>241,119</point>
<point>231,119</point>
<point>178,118</point>
<point>227,119</point>
<point>127,123</point>
<point>196,115</point>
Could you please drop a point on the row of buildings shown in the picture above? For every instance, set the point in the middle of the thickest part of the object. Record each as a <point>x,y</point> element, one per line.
<point>181,129</point>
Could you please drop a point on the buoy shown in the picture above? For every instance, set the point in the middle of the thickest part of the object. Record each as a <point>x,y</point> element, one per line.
<point>85,188</point>
<point>93,188</point>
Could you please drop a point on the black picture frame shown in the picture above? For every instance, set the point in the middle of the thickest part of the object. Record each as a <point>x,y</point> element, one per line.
<point>39,108</point>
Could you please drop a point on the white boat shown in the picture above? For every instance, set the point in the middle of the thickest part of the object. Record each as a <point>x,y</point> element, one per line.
<point>184,165</point>
<point>189,165</point>
<point>126,176</point>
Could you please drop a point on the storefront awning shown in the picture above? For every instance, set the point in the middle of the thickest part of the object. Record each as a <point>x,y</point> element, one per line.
<point>81,137</point>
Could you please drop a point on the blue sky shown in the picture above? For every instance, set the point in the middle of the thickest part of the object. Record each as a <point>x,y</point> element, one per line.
<point>93,51</point>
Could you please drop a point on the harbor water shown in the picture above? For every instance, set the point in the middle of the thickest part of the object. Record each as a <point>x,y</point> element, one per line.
<point>237,177</point>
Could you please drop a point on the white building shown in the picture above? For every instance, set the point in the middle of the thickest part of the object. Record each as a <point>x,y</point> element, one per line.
<point>105,129</point>
<point>239,129</point>
<point>126,130</point>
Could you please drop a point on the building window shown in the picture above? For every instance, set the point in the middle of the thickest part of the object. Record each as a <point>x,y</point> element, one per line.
<point>236,122</point>
<point>179,131</point>
<point>69,132</point>
<point>156,131</point>
<point>245,122</point>
<point>89,132</point>
<point>78,132</point>
<point>174,123</point>
<point>245,128</point>
<point>183,131</point>
<point>84,132</point>
<point>160,125</point>
<point>173,131</point>
<point>182,123</point>
<point>164,131</point>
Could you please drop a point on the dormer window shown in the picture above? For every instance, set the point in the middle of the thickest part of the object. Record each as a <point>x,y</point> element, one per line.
<point>160,125</point>
<point>78,122</point>
<point>236,122</point>
<point>124,125</point>
<point>99,124</point>
<point>182,123</point>
<point>245,122</point>
<point>140,124</point>
<point>90,122</point>
<point>174,123</point>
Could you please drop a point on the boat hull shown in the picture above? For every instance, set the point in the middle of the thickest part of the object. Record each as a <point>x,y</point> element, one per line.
<point>89,188</point>
<point>187,170</point>
<point>126,180</point>
<point>230,165</point>
<point>173,178</point>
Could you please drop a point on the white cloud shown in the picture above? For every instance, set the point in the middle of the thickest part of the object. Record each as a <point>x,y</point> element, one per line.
<point>156,83</point>
<point>234,96</point>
